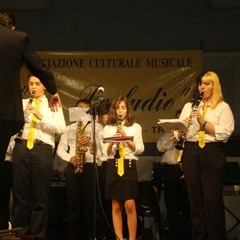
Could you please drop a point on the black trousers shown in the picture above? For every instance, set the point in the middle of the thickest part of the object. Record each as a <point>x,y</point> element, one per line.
<point>5,189</point>
<point>177,203</point>
<point>204,171</point>
<point>32,170</point>
<point>80,198</point>
<point>7,129</point>
<point>75,228</point>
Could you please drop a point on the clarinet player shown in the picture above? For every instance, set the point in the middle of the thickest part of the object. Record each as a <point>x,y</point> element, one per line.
<point>121,175</point>
<point>203,158</point>
<point>32,161</point>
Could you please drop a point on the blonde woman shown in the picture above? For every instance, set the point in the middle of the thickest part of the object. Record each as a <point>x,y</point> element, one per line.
<point>210,126</point>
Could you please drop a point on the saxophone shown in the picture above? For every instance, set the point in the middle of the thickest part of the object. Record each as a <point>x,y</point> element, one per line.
<point>80,148</point>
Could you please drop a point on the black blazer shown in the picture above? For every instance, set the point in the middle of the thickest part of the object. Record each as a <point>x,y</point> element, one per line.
<point>15,50</point>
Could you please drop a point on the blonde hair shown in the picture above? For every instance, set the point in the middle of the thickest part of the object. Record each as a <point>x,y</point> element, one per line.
<point>217,96</point>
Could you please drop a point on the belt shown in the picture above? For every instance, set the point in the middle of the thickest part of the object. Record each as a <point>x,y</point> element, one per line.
<point>217,144</point>
<point>113,159</point>
<point>35,141</point>
<point>127,162</point>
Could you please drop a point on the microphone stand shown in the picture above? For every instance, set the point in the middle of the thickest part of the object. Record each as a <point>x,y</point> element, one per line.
<point>94,108</point>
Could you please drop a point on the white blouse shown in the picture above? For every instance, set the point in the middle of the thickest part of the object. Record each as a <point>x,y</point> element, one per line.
<point>221,117</point>
<point>134,131</point>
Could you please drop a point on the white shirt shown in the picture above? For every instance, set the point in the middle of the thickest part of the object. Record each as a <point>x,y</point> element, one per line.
<point>166,143</point>
<point>67,145</point>
<point>135,130</point>
<point>52,123</point>
<point>221,117</point>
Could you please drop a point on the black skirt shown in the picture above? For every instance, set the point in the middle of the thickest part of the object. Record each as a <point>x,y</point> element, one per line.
<point>124,187</point>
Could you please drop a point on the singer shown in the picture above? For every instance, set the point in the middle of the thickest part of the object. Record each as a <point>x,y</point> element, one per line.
<point>16,51</point>
<point>203,158</point>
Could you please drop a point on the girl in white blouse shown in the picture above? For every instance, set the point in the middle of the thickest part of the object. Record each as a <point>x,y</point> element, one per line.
<point>122,189</point>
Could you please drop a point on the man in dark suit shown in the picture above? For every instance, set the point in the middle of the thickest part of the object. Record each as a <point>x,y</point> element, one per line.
<point>15,51</point>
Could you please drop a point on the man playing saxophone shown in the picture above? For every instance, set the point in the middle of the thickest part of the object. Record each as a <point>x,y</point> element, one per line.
<point>75,146</point>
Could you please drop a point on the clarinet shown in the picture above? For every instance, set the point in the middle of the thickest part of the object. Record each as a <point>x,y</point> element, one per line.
<point>18,138</point>
<point>180,144</point>
<point>117,155</point>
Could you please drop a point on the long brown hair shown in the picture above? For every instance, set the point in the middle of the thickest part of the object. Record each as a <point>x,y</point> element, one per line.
<point>130,118</point>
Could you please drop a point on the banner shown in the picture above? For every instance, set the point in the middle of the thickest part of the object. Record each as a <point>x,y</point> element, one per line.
<point>158,83</point>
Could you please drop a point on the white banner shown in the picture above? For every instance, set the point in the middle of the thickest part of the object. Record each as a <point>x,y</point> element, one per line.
<point>157,83</point>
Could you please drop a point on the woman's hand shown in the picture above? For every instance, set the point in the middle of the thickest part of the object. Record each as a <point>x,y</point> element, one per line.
<point>196,113</point>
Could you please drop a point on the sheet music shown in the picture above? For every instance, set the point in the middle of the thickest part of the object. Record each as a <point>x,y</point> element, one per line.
<point>171,124</point>
<point>77,113</point>
<point>118,139</point>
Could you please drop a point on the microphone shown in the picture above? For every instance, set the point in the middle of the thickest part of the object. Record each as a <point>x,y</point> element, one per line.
<point>100,91</point>
<point>98,96</point>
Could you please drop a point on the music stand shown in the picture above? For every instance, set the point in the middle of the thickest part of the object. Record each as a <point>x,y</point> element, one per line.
<point>77,113</point>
